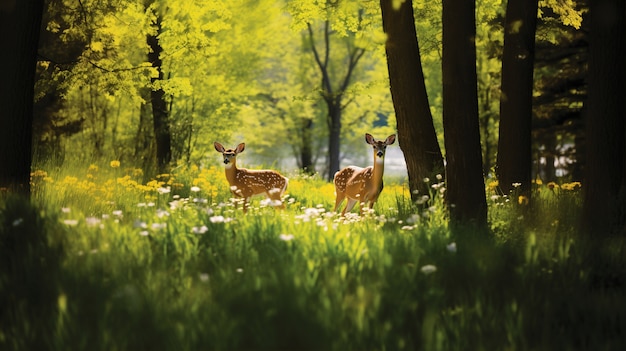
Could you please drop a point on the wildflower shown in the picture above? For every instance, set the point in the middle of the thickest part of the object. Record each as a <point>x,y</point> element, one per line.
<point>414,218</point>
<point>199,230</point>
<point>407,227</point>
<point>493,184</point>
<point>164,190</point>
<point>66,210</point>
<point>451,247</point>
<point>270,202</point>
<point>117,213</point>
<point>144,233</point>
<point>71,222</point>
<point>217,219</point>
<point>92,168</point>
<point>158,226</point>
<point>114,164</point>
<point>517,185</point>
<point>552,185</point>
<point>18,221</point>
<point>204,277</point>
<point>239,270</point>
<point>194,189</point>
<point>428,269</point>
<point>422,200</point>
<point>426,180</point>
<point>439,177</point>
<point>522,200</point>
<point>571,186</point>
<point>286,237</point>
<point>92,221</point>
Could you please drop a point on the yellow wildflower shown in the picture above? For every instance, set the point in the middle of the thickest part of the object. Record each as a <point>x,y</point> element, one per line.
<point>115,164</point>
<point>522,200</point>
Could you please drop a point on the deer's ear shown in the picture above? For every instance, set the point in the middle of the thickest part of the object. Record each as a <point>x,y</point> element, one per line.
<point>240,148</point>
<point>390,139</point>
<point>369,139</point>
<point>218,147</point>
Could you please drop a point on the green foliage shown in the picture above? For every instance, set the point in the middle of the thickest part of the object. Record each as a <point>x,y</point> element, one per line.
<point>568,12</point>
<point>172,264</point>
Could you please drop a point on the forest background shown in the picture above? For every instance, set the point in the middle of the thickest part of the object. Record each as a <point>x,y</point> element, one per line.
<point>247,71</point>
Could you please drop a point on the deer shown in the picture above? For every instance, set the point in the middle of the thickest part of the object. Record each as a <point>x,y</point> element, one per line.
<point>362,185</point>
<point>245,183</point>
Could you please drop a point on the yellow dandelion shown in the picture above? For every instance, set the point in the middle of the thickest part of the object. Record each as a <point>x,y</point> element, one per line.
<point>571,186</point>
<point>522,200</point>
<point>552,185</point>
<point>115,164</point>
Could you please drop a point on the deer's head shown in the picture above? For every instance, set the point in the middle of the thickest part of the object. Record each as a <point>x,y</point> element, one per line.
<point>229,154</point>
<point>379,146</point>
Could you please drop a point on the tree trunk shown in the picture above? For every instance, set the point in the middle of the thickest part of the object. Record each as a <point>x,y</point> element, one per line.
<point>306,152</point>
<point>604,208</point>
<point>416,132</point>
<point>334,136</point>
<point>465,184</point>
<point>20,23</point>
<point>514,162</point>
<point>160,113</point>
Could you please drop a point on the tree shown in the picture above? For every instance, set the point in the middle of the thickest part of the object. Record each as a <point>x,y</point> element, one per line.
<point>333,92</point>
<point>465,192</point>
<point>514,160</point>
<point>604,207</point>
<point>160,112</point>
<point>20,22</point>
<point>416,131</point>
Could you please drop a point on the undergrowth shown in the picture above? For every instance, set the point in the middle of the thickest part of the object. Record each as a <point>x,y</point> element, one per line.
<point>104,259</point>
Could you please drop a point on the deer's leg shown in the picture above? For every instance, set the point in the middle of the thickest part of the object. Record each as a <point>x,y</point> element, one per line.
<point>339,199</point>
<point>349,206</point>
<point>245,205</point>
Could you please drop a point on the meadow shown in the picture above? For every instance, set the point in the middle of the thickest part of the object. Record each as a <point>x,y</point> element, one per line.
<point>102,259</point>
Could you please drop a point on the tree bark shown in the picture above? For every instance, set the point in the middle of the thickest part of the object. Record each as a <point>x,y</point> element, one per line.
<point>465,192</point>
<point>514,160</point>
<point>334,136</point>
<point>604,208</point>
<point>160,113</point>
<point>20,23</point>
<point>416,132</point>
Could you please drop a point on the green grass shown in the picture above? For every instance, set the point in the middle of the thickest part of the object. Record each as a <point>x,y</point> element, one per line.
<point>106,261</point>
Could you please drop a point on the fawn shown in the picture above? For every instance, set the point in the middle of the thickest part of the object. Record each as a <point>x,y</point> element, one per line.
<point>245,183</point>
<point>362,184</point>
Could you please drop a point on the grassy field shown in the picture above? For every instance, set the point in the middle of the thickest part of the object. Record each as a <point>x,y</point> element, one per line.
<point>104,260</point>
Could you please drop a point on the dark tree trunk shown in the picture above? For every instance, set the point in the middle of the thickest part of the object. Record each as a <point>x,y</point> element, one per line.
<point>20,23</point>
<point>416,131</point>
<point>306,151</point>
<point>334,137</point>
<point>604,209</point>
<point>514,162</point>
<point>160,113</point>
<point>465,184</point>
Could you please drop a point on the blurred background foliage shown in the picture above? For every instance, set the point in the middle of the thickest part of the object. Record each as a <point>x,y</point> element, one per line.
<point>245,71</point>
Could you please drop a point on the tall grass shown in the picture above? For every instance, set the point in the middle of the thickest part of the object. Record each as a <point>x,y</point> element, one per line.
<point>107,260</point>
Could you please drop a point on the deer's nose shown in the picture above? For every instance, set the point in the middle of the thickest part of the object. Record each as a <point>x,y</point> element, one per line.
<point>380,154</point>
<point>226,161</point>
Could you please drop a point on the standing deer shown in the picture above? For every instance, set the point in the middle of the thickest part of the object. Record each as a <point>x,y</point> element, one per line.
<point>362,184</point>
<point>245,183</point>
